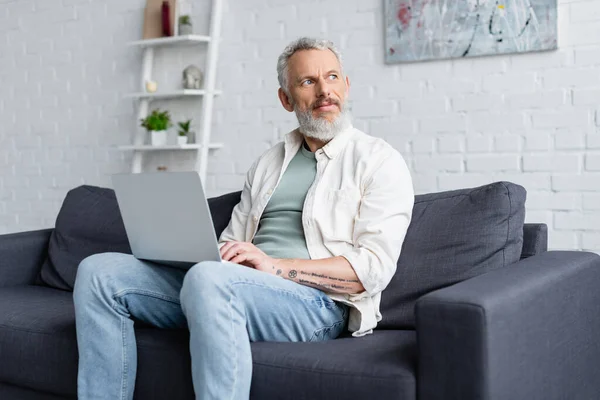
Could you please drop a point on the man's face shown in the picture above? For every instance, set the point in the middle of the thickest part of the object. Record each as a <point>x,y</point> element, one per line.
<point>317,94</point>
<point>316,84</point>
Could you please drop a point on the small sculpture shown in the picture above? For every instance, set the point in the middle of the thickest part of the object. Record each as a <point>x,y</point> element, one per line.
<point>192,77</point>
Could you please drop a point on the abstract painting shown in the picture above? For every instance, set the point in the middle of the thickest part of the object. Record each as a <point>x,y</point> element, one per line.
<point>418,30</point>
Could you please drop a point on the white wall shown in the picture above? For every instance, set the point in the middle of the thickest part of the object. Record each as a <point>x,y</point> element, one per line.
<point>532,119</point>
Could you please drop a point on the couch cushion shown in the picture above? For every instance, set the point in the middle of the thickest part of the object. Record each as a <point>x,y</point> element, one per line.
<point>454,236</point>
<point>38,347</point>
<point>39,351</point>
<point>89,222</point>
<point>381,365</point>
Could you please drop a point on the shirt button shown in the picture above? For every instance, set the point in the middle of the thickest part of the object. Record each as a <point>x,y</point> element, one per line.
<point>270,191</point>
<point>255,218</point>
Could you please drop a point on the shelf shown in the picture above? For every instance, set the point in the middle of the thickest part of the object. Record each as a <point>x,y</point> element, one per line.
<point>191,146</point>
<point>172,94</point>
<point>171,40</point>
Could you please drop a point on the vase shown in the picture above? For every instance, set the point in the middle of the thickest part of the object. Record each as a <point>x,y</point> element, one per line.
<point>185,29</point>
<point>158,138</point>
<point>166,19</point>
<point>181,140</point>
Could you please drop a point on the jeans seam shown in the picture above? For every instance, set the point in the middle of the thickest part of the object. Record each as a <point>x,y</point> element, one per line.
<point>326,327</point>
<point>120,294</point>
<point>124,359</point>
<point>147,293</point>
<point>235,366</point>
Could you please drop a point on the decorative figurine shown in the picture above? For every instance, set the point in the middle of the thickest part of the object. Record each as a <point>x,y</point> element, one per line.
<point>192,77</point>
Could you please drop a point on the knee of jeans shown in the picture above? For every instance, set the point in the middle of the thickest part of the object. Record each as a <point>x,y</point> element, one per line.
<point>202,277</point>
<point>93,270</point>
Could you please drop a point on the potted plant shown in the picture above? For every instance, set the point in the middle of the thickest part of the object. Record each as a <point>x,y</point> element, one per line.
<point>184,130</point>
<point>185,25</point>
<point>157,124</point>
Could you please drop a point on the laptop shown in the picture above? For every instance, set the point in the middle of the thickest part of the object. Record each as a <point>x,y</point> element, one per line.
<point>167,218</point>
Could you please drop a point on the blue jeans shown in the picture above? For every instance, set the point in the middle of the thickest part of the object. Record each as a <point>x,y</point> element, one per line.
<point>224,305</point>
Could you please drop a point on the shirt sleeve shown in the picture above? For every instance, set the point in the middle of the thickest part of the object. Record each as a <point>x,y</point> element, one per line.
<point>236,229</point>
<point>381,224</point>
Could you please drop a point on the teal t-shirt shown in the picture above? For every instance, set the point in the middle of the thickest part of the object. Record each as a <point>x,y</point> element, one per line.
<point>280,233</point>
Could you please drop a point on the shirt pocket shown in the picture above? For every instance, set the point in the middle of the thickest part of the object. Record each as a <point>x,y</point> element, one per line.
<point>340,211</point>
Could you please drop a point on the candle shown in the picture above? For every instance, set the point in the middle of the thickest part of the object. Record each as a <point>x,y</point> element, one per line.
<point>150,86</point>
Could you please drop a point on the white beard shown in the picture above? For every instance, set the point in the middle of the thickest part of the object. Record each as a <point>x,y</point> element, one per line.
<point>320,128</point>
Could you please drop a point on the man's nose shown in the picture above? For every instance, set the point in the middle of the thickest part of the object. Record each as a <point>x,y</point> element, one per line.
<point>322,88</point>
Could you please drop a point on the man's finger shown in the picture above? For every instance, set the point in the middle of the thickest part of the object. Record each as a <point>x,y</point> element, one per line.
<point>233,250</point>
<point>244,257</point>
<point>226,247</point>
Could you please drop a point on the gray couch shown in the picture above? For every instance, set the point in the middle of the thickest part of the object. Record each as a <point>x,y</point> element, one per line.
<point>478,309</point>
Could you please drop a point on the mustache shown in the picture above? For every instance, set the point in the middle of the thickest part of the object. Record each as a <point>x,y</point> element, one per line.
<point>325,102</point>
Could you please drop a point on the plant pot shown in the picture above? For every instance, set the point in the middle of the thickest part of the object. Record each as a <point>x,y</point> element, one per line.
<point>181,140</point>
<point>158,138</point>
<point>186,29</point>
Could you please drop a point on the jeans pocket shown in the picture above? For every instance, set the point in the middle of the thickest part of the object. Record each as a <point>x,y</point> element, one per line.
<point>331,331</point>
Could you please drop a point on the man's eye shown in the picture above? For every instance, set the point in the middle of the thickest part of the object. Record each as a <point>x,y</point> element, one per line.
<point>334,76</point>
<point>307,82</point>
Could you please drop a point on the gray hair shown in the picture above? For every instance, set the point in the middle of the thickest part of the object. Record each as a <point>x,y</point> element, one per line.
<point>304,43</point>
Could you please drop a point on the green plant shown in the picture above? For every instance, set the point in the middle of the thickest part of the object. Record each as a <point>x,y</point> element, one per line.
<point>184,127</point>
<point>185,20</point>
<point>157,121</point>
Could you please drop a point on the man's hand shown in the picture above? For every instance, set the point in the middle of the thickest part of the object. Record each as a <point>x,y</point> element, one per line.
<point>249,255</point>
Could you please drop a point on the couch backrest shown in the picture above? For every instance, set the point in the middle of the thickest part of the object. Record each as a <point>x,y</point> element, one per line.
<point>453,236</point>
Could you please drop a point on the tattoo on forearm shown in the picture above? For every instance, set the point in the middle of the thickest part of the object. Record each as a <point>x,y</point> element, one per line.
<point>279,272</point>
<point>328,277</point>
<point>324,282</point>
<point>333,287</point>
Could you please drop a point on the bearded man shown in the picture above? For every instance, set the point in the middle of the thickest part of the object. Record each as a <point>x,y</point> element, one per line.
<point>310,247</point>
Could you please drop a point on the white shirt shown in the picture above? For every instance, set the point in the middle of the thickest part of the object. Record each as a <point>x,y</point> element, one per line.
<point>359,207</point>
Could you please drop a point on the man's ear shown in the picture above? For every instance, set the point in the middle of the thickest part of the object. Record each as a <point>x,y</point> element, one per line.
<point>347,86</point>
<point>285,100</point>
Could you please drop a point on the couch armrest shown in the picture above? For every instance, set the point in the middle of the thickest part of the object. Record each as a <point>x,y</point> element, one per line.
<point>528,331</point>
<point>22,255</point>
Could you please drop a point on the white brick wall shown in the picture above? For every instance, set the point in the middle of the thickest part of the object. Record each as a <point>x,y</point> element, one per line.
<point>531,119</point>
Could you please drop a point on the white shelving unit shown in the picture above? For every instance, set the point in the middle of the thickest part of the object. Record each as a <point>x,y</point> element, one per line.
<point>191,146</point>
<point>164,41</point>
<point>171,94</point>
<point>202,144</point>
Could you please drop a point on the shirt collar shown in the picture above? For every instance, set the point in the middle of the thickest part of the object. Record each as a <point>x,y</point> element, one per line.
<point>294,139</point>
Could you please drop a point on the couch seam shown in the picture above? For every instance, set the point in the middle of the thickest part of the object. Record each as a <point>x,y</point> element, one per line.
<point>322,372</point>
<point>441,198</point>
<point>460,194</point>
<point>460,303</point>
<point>20,386</point>
<point>507,225</point>
<point>27,330</point>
